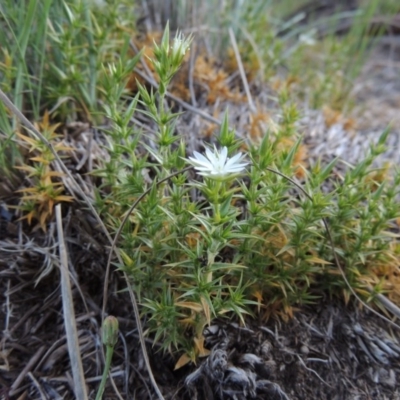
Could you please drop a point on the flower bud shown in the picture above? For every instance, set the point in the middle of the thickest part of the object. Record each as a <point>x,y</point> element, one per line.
<point>179,47</point>
<point>110,331</point>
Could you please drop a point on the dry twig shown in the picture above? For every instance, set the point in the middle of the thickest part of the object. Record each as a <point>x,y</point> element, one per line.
<point>241,70</point>
<point>26,370</point>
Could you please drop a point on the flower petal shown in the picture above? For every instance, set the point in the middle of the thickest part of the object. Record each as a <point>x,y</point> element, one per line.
<point>200,157</point>
<point>217,164</point>
<point>234,159</point>
<point>223,155</point>
<point>211,156</point>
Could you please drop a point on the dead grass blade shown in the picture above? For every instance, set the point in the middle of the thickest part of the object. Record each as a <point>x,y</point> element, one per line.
<point>241,70</point>
<point>69,315</point>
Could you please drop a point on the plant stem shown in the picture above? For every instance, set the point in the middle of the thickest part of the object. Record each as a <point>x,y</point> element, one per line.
<point>109,354</point>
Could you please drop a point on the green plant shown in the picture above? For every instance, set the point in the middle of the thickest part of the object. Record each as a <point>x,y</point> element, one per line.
<point>20,34</point>
<point>223,241</point>
<point>337,57</point>
<point>51,57</point>
<point>110,338</point>
<point>233,242</point>
<point>45,189</point>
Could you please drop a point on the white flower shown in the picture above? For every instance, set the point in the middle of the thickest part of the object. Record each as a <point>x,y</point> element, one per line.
<point>217,165</point>
<point>179,47</point>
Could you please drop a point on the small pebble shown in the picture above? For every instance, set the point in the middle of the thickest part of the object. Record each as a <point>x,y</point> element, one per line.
<point>304,349</point>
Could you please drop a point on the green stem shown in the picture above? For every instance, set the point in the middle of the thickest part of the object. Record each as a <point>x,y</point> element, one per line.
<point>109,354</point>
<point>217,213</point>
<point>218,190</point>
<point>161,99</point>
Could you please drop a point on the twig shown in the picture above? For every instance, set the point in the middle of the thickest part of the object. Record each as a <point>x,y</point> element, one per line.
<point>98,378</point>
<point>38,386</point>
<point>69,315</point>
<point>9,310</point>
<point>147,16</point>
<point>127,362</point>
<point>387,303</point>
<point>191,68</point>
<point>256,48</point>
<point>27,369</point>
<point>311,370</point>
<point>20,321</point>
<point>49,351</point>
<point>241,70</point>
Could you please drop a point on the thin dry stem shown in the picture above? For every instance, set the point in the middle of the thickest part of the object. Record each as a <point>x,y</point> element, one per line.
<point>69,315</point>
<point>191,70</point>
<point>32,362</point>
<point>241,70</point>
